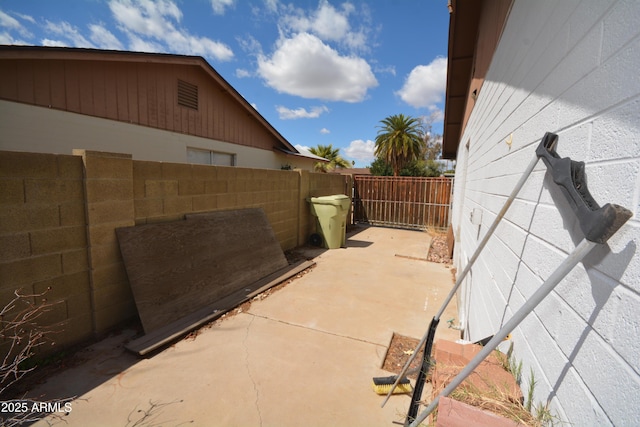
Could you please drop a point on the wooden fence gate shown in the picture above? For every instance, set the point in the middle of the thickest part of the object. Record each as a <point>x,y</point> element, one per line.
<point>405,202</point>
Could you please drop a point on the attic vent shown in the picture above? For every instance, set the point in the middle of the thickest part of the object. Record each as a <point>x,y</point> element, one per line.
<point>187,95</point>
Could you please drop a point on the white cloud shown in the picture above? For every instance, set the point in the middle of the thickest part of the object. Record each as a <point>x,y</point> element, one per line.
<point>12,24</point>
<point>306,67</point>
<point>53,43</point>
<point>328,24</point>
<point>153,24</point>
<point>144,18</point>
<point>314,56</point>
<point>325,131</point>
<point>241,73</point>
<point>6,38</point>
<point>271,5</point>
<point>361,150</point>
<point>426,84</point>
<point>138,44</point>
<point>390,69</point>
<point>26,17</point>
<point>68,32</point>
<point>9,21</point>
<point>103,38</point>
<point>219,6</point>
<point>300,113</point>
<point>356,41</point>
<point>250,44</point>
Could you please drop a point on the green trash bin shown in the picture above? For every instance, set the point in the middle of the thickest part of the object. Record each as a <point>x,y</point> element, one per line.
<point>332,218</point>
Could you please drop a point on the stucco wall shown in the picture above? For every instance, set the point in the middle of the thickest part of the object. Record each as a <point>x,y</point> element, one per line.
<point>571,68</point>
<point>36,129</point>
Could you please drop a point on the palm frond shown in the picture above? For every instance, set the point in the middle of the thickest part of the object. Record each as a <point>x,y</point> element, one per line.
<point>399,140</point>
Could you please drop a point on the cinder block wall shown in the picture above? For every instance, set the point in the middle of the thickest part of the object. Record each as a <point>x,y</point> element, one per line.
<point>570,68</point>
<point>167,191</point>
<point>58,216</point>
<point>108,187</point>
<point>43,243</point>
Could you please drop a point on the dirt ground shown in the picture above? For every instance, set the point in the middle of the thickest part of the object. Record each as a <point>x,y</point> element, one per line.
<point>439,250</point>
<point>400,350</point>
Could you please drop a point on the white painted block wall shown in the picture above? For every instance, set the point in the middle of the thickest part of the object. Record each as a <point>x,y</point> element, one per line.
<point>573,68</point>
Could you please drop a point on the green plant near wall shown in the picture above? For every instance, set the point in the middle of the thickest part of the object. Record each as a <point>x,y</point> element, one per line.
<point>540,412</point>
<point>530,390</point>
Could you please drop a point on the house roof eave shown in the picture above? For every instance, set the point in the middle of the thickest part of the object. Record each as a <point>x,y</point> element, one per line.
<point>296,153</point>
<point>83,54</point>
<point>463,29</point>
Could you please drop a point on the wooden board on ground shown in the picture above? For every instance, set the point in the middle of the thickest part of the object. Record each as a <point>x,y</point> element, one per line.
<point>450,241</point>
<point>172,331</point>
<point>177,268</point>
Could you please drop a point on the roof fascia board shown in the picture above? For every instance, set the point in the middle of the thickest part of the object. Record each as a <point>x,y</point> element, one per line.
<point>472,24</point>
<point>458,70</point>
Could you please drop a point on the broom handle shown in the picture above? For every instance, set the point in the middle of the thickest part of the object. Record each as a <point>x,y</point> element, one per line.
<point>563,269</point>
<point>489,233</point>
<point>466,270</point>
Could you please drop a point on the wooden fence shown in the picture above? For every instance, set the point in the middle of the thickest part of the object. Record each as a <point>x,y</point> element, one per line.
<point>406,202</point>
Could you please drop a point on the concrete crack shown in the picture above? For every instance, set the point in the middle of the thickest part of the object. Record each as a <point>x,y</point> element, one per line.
<point>295,325</point>
<point>246,361</point>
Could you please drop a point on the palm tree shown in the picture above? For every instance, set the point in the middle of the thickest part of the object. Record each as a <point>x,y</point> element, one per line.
<point>399,141</point>
<point>331,154</point>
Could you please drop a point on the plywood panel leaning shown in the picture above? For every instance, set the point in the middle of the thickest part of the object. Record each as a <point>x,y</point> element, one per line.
<point>177,268</point>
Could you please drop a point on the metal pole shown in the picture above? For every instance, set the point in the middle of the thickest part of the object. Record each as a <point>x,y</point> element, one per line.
<point>467,268</point>
<point>489,233</point>
<point>563,269</point>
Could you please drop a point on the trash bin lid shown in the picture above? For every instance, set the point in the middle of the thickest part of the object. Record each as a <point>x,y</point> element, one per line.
<point>336,199</point>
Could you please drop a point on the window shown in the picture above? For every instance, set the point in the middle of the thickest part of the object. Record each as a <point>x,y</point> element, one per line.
<point>207,157</point>
<point>187,95</point>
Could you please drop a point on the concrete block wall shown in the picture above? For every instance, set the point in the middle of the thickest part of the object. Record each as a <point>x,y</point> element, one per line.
<point>167,191</point>
<point>43,239</point>
<point>108,184</point>
<point>570,68</point>
<point>58,216</point>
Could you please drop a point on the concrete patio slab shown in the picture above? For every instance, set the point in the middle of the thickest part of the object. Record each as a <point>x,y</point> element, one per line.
<point>305,355</point>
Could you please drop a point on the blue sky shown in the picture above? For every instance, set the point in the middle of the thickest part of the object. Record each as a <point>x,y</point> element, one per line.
<point>320,71</point>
